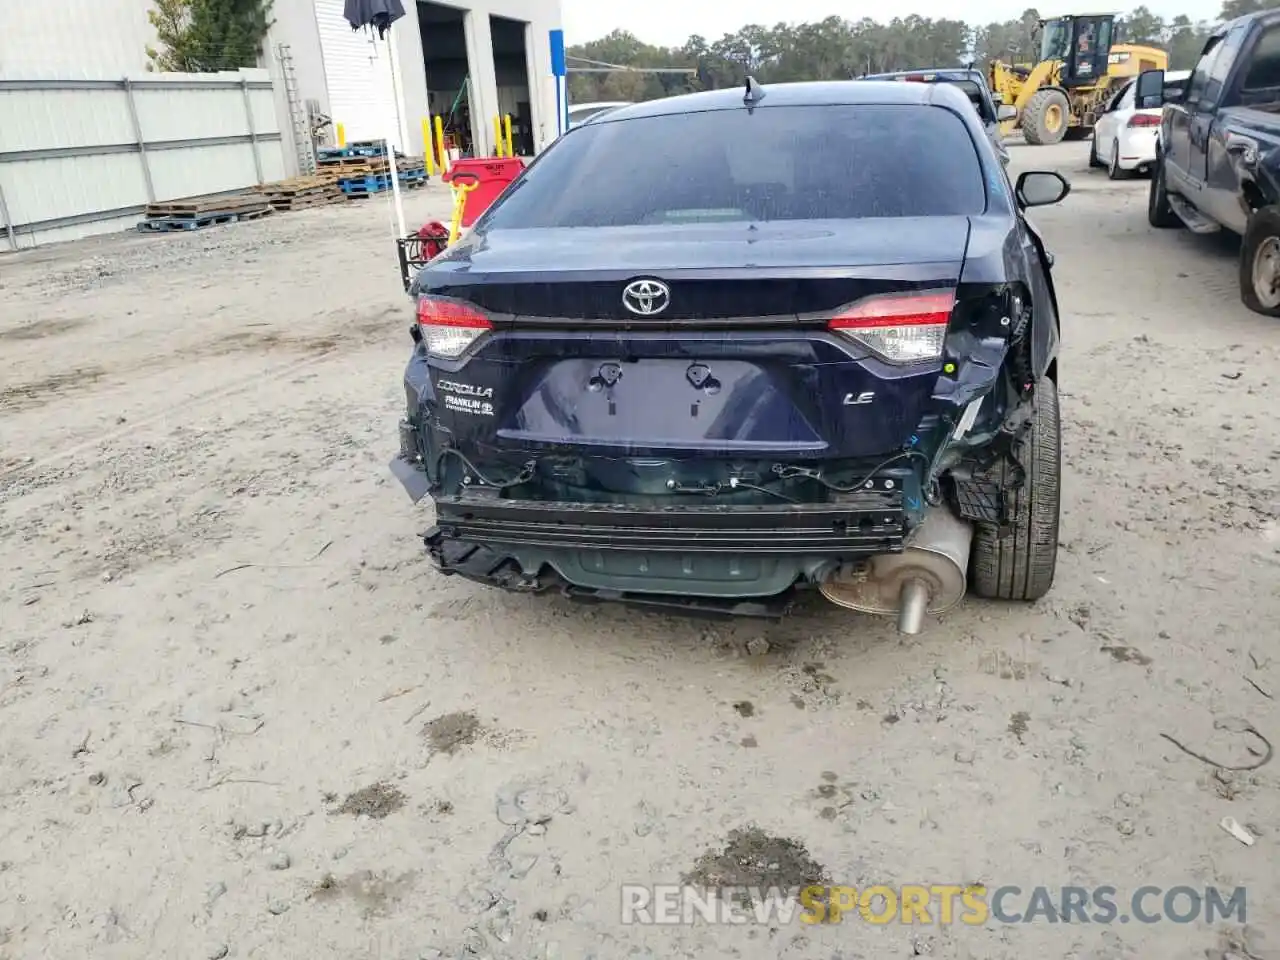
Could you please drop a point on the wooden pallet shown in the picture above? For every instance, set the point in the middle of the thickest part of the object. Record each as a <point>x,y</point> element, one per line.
<point>199,221</point>
<point>295,185</point>
<point>351,163</point>
<point>353,166</point>
<point>323,197</point>
<point>200,206</point>
<point>301,193</point>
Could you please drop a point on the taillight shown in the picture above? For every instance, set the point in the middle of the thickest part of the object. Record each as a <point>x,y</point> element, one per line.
<point>899,327</point>
<point>1144,120</point>
<point>450,326</point>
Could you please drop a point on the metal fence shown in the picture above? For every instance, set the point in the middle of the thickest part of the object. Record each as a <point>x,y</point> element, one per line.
<point>79,157</point>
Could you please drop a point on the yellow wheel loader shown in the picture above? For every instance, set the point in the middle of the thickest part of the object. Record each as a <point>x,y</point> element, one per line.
<point>1061,96</point>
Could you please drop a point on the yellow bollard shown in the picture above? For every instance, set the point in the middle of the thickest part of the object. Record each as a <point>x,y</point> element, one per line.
<point>511,150</point>
<point>497,136</point>
<point>341,132</point>
<point>444,155</point>
<point>460,190</point>
<point>427,150</point>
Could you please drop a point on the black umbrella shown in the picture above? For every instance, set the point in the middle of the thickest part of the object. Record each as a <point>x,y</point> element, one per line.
<point>379,14</point>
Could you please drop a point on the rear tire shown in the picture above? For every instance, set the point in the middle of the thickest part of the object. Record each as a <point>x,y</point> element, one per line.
<point>1021,565</point>
<point>1260,259</point>
<point>1114,170</point>
<point>1159,213</point>
<point>1045,117</point>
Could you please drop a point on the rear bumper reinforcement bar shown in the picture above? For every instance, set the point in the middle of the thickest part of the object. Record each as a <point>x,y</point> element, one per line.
<point>864,523</point>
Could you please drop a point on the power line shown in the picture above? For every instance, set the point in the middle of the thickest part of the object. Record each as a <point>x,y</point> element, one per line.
<point>594,63</point>
<point>601,66</point>
<point>682,70</point>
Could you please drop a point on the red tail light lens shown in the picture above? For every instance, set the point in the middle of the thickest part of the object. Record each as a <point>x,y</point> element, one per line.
<point>899,328</point>
<point>1144,120</point>
<point>450,326</point>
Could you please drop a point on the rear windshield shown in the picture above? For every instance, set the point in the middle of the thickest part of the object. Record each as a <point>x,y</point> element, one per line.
<point>775,163</point>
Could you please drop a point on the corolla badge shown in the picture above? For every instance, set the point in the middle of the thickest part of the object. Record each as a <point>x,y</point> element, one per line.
<point>646,297</point>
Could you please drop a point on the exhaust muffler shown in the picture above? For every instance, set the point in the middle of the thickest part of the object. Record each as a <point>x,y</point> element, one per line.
<point>929,576</point>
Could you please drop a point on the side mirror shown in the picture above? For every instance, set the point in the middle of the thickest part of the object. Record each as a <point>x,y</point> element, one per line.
<point>1041,188</point>
<point>1006,111</point>
<point>1149,92</point>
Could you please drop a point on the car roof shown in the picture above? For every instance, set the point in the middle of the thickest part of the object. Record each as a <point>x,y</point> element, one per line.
<point>1266,16</point>
<point>814,93</point>
<point>944,73</point>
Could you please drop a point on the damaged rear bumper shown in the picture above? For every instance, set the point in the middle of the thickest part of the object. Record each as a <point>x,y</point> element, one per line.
<point>408,467</point>
<point>742,560</point>
<point>495,567</point>
<point>411,476</point>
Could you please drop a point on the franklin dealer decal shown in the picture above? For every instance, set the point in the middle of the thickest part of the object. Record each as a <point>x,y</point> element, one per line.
<point>467,398</point>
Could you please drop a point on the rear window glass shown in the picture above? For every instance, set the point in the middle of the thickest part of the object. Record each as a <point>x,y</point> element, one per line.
<point>775,163</point>
<point>970,88</point>
<point>1264,71</point>
<point>974,93</point>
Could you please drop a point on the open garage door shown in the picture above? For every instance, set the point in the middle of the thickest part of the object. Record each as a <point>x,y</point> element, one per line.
<point>449,73</point>
<point>511,67</point>
<point>361,94</point>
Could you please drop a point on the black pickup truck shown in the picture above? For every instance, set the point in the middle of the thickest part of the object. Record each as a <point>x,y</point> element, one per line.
<point>1218,152</point>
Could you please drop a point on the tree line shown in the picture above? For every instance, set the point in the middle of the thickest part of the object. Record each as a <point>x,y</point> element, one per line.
<point>837,49</point>
<point>205,36</point>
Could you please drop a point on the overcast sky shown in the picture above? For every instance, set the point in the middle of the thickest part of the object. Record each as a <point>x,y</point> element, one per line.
<point>670,22</point>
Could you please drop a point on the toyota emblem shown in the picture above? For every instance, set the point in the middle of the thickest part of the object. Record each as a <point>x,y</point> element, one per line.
<point>646,297</point>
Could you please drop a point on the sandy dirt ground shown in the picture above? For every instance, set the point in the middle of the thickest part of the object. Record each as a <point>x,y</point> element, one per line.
<point>241,716</point>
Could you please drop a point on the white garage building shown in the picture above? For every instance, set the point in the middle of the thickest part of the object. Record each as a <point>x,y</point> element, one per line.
<point>467,58</point>
<point>500,49</point>
<point>88,138</point>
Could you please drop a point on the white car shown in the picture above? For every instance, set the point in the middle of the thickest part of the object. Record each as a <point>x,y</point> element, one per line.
<point>1124,139</point>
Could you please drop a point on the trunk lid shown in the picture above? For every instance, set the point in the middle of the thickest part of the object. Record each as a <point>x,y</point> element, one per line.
<point>715,271</point>
<point>738,362</point>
